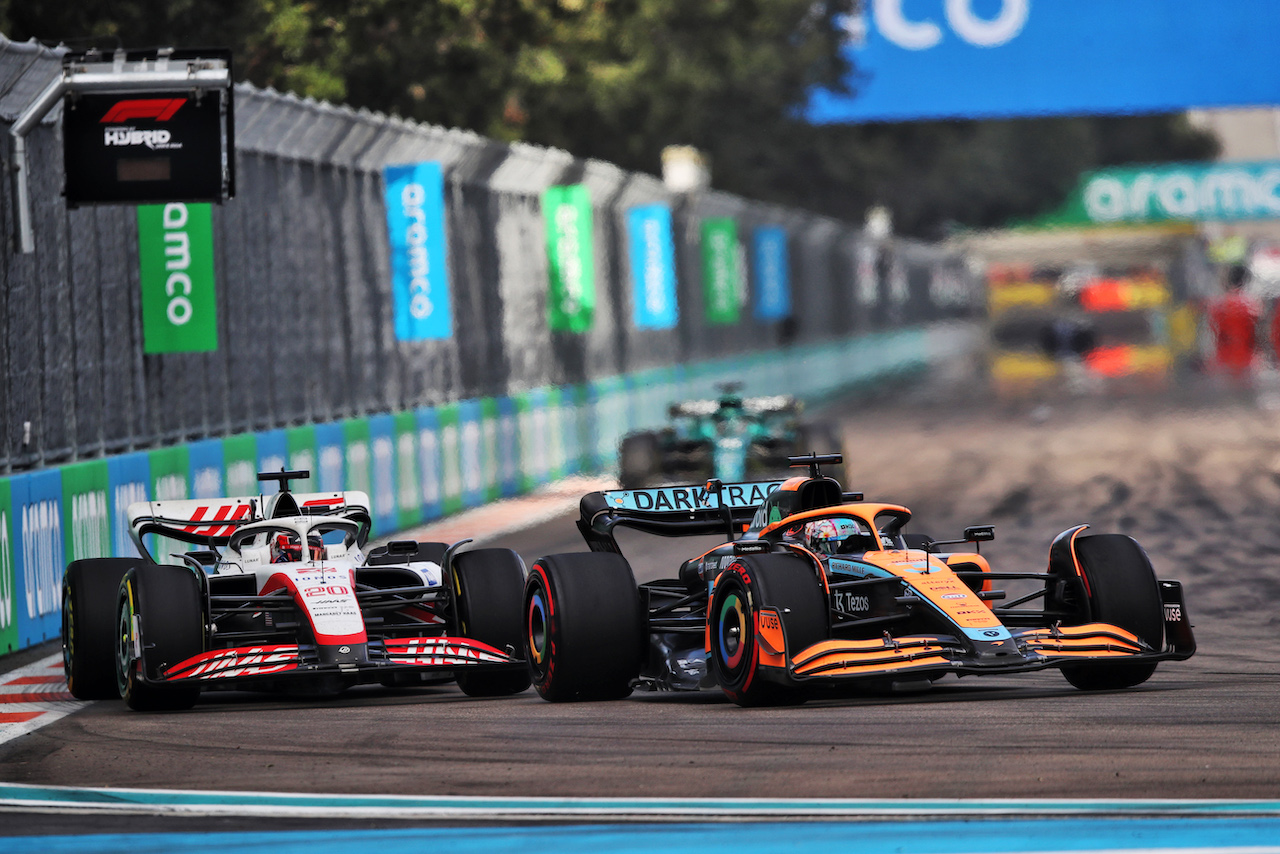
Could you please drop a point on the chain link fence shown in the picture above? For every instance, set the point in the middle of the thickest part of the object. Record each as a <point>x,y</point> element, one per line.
<point>305,331</point>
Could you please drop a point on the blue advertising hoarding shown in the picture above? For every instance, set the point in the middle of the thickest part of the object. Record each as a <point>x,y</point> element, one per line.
<point>931,59</point>
<point>419,266</point>
<point>772,274</point>
<point>653,268</point>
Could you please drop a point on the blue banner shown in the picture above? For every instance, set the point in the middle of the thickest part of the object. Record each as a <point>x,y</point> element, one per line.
<point>429,462</point>
<point>207,466</point>
<point>40,559</point>
<point>931,59</point>
<point>331,458</point>
<point>772,274</point>
<point>127,480</point>
<point>383,450</point>
<point>273,456</point>
<point>653,267</point>
<point>419,266</point>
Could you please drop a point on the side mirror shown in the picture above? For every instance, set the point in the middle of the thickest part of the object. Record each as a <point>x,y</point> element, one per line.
<point>402,547</point>
<point>979,533</point>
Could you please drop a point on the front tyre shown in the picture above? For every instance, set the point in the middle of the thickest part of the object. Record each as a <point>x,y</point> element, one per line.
<point>786,583</point>
<point>584,627</point>
<point>159,623</point>
<point>1123,591</point>
<point>488,586</point>
<point>89,590</point>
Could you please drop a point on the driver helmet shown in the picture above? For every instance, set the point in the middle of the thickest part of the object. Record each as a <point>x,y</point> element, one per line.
<point>287,547</point>
<point>825,535</point>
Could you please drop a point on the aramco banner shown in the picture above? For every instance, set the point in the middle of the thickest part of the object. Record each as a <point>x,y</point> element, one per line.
<point>653,268</point>
<point>175,263</point>
<point>772,289</point>
<point>571,301</point>
<point>419,266</point>
<point>721,281</point>
<point>1177,192</point>
<point>931,59</point>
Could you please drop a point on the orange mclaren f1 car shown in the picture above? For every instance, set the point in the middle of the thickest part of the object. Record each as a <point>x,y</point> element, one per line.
<point>817,588</point>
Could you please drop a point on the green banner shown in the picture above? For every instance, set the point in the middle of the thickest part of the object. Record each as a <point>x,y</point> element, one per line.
<point>721,285</point>
<point>1177,192</point>
<point>359,457</point>
<point>450,459</point>
<point>570,258</point>
<point>8,583</point>
<point>175,260</point>
<point>84,496</point>
<point>409,493</point>
<point>240,454</point>
<point>300,442</point>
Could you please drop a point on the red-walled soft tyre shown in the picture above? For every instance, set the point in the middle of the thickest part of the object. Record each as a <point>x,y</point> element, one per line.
<point>785,582</point>
<point>584,630</point>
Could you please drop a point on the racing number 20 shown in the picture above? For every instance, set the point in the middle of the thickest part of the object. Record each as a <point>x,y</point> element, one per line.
<point>327,590</point>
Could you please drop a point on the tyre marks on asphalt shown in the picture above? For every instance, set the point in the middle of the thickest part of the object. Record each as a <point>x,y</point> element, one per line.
<point>34,696</point>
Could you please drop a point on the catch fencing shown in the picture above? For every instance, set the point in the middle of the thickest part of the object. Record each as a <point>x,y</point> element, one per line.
<point>304,304</point>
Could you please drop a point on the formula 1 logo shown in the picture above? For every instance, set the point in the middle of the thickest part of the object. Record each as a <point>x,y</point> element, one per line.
<point>157,109</point>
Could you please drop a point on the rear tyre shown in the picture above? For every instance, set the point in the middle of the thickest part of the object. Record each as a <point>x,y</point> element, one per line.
<point>639,459</point>
<point>784,582</point>
<point>1124,592</point>
<point>159,623</point>
<point>89,590</point>
<point>488,586</point>
<point>585,631</point>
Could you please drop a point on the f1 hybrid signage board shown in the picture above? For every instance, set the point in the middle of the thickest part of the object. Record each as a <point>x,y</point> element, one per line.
<point>126,143</point>
<point>937,59</point>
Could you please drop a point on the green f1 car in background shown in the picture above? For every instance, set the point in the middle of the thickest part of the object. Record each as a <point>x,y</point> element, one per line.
<point>733,438</point>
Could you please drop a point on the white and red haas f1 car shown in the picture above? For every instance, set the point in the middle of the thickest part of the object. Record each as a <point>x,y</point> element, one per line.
<point>284,596</point>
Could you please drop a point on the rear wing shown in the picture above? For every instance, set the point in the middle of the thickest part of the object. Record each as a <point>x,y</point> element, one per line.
<point>670,511</point>
<point>211,521</point>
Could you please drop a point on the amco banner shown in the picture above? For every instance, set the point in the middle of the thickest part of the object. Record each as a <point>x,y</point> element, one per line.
<point>653,268</point>
<point>571,260</point>
<point>772,275</point>
<point>419,267</point>
<point>720,276</point>
<point>929,59</point>
<point>175,261</point>
<point>1178,192</point>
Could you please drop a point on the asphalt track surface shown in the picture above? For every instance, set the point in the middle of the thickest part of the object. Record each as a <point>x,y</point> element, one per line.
<point>1195,478</point>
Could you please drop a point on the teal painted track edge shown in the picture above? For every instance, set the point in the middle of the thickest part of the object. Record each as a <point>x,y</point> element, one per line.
<point>14,797</point>
<point>1221,836</point>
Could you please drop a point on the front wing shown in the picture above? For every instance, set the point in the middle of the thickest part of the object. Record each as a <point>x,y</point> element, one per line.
<point>839,660</point>
<point>273,661</point>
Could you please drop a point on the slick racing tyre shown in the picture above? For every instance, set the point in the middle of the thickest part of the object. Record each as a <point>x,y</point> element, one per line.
<point>639,460</point>
<point>89,590</point>
<point>584,629</point>
<point>488,587</point>
<point>1124,592</point>
<point>159,623</point>
<point>752,582</point>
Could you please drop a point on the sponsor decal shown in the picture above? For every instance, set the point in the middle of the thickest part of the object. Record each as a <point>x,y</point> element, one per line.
<point>42,556</point>
<point>229,663</point>
<point>687,498</point>
<point>721,281</point>
<point>772,281</point>
<point>8,584</point>
<point>175,252</point>
<point>652,267</point>
<point>954,596</point>
<point>443,652</point>
<point>419,262</point>
<point>851,602</point>
<point>570,258</point>
<point>1172,613</point>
